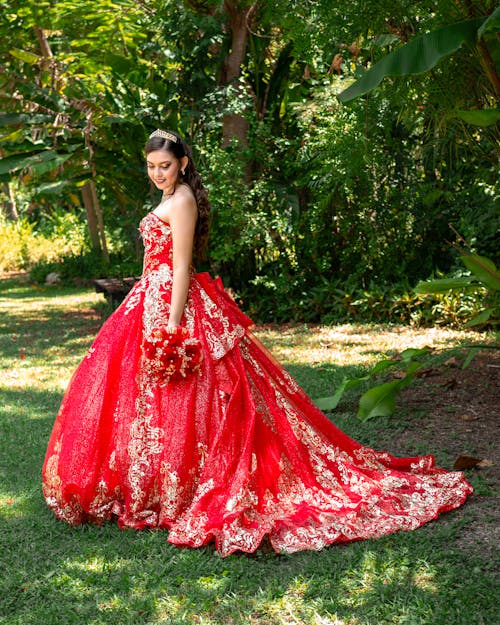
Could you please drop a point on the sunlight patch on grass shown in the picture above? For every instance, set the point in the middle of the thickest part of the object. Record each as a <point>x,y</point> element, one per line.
<point>393,581</point>
<point>72,585</point>
<point>95,564</point>
<point>23,376</point>
<point>355,344</point>
<point>12,506</point>
<point>295,606</point>
<point>323,620</point>
<point>424,577</point>
<point>63,303</point>
<point>40,346</point>
<point>213,583</point>
<point>111,605</point>
<point>290,610</point>
<point>169,604</point>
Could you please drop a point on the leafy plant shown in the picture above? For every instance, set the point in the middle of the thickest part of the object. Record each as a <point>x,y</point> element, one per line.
<point>485,276</point>
<point>418,56</point>
<point>84,267</point>
<point>379,400</point>
<point>22,245</point>
<point>422,53</point>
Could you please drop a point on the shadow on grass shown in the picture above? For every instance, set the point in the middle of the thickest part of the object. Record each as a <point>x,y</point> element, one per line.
<point>57,574</point>
<point>53,574</point>
<point>26,418</point>
<point>103,575</point>
<point>14,288</point>
<point>39,333</point>
<point>50,328</point>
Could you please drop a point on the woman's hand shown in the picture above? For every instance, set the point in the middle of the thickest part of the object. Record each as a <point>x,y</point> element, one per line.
<point>173,328</point>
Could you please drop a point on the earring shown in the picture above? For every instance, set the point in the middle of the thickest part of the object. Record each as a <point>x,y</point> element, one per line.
<point>183,171</point>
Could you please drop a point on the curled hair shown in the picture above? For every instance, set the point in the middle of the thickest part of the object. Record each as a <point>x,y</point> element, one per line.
<point>191,177</point>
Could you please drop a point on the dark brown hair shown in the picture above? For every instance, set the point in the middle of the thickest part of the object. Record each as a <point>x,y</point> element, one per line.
<point>179,148</point>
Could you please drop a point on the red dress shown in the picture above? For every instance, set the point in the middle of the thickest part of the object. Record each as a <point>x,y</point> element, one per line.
<point>230,454</point>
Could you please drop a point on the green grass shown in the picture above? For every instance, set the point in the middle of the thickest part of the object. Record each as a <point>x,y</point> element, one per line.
<point>52,574</point>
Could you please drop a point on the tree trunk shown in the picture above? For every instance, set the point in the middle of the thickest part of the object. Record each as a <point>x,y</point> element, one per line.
<point>235,126</point>
<point>9,208</point>
<point>238,13</point>
<point>489,66</point>
<point>43,43</point>
<point>100,220</point>
<point>48,57</point>
<point>88,202</point>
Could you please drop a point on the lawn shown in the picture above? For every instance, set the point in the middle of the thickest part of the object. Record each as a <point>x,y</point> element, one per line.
<point>53,574</point>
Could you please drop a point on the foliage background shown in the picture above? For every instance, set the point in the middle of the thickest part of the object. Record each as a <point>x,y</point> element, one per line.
<point>320,210</point>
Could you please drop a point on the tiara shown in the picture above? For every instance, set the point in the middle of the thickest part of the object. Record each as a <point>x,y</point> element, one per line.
<point>164,135</point>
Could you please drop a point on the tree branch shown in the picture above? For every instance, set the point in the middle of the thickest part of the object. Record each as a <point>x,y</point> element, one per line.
<point>489,66</point>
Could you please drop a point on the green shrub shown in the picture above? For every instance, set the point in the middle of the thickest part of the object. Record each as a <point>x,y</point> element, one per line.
<point>301,299</point>
<point>83,268</point>
<point>23,244</point>
<point>478,289</point>
<point>20,246</point>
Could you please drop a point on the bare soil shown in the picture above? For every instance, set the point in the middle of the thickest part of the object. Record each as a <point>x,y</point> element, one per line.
<point>462,411</point>
<point>460,415</point>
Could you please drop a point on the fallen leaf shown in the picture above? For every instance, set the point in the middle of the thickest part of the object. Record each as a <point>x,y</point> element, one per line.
<point>449,384</point>
<point>466,462</point>
<point>486,463</point>
<point>424,373</point>
<point>469,417</point>
<point>451,362</point>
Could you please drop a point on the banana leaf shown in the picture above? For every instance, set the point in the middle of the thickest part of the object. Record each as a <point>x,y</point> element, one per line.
<point>416,57</point>
<point>412,352</point>
<point>331,402</point>
<point>379,401</point>
<point>38,163</point>
<point>13,119</point>
<point>479,117</point>
<point>484,269</point>
<point>443,285</point>
<point>491,24</point>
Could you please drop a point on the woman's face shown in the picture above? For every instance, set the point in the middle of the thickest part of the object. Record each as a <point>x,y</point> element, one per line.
<point>163,169</point>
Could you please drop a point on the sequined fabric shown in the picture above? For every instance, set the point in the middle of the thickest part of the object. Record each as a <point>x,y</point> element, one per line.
<point>231,454</point>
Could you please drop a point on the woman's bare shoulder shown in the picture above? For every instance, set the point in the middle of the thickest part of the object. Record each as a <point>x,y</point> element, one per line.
<point>183,201</point>
<point>184,192</point>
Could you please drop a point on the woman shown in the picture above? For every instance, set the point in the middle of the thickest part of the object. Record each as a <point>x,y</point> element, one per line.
<point>178,418</point>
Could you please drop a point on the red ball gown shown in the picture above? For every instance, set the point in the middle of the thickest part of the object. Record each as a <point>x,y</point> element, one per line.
<point>230,454</point>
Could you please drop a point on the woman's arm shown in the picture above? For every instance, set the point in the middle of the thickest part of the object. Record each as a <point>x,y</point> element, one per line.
<point>182,215</point>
